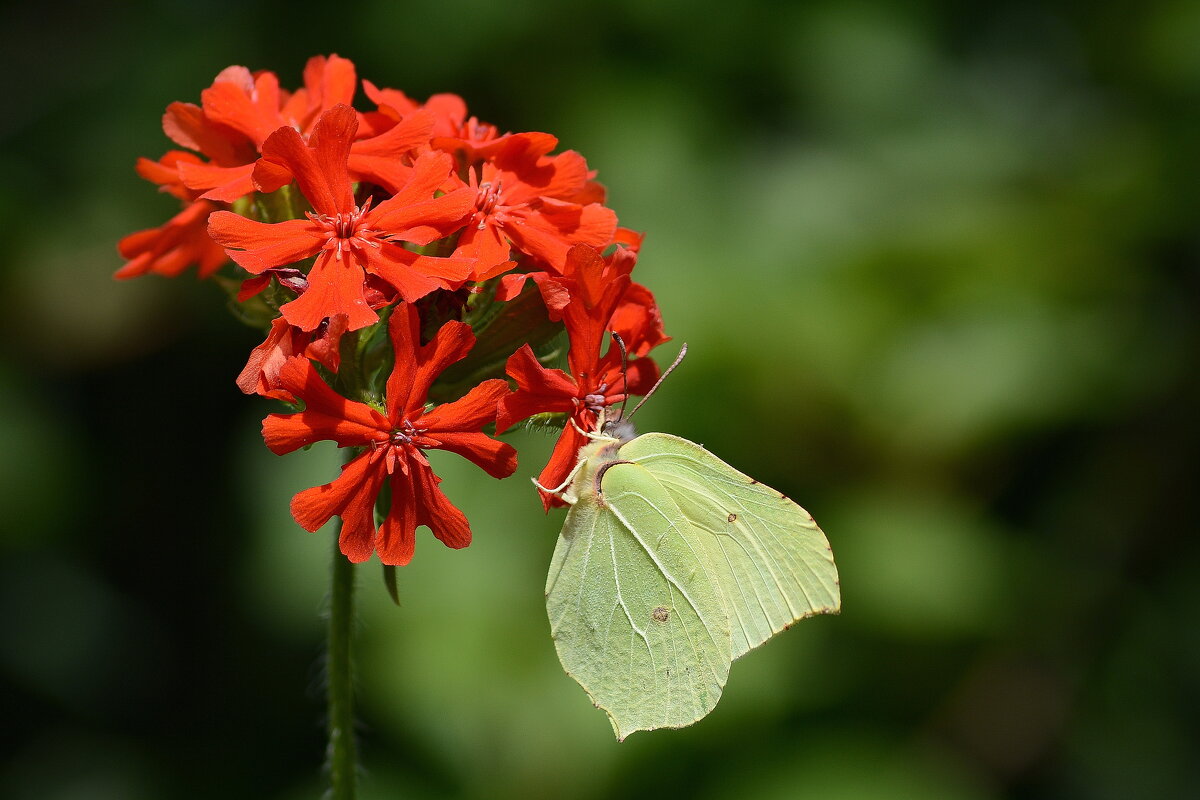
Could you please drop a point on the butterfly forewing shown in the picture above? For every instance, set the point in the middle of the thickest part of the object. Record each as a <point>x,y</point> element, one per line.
<point>635,616</point>
<point>771,561</point>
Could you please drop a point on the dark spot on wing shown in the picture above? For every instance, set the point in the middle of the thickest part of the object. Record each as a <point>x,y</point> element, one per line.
<point>660,614</point>
<point>733,517</point>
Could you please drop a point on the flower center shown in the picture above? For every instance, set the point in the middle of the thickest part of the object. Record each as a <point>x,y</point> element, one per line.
<point>488,197</point>
<point>476,131</point>
<point>345,229</point>
<point>404,434</point>
<point>399,448</point>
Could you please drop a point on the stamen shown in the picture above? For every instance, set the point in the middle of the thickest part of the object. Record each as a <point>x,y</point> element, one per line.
<point>344,230</point>
<point>598,399</point>
<point>405,433</point>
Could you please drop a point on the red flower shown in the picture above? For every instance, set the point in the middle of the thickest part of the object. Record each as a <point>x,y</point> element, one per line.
<point>394,442</point>
<point>597,292</point>
<point>349,241</point>
<point>175,246</point>
<point>532,202</point>
<point>283,342</point>
<point>237,114</point>
<point>244,107</point>
<point>392,105</point>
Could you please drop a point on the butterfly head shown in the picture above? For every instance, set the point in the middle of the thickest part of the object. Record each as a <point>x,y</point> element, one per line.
<point>619,429</point>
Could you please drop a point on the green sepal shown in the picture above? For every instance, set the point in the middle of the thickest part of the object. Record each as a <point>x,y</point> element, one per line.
<point>256,312</point>
<point>278,206</point>
<point>549,421</point>
<point>367,361</point>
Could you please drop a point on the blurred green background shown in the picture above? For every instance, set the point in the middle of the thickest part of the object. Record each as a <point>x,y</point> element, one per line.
<point>937,267</point>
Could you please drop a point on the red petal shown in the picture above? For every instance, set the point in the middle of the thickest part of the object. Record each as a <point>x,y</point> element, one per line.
<point>261,373</point>
<point>172,248</point>
<point>414,214</point>
<point>397,537</point>
<point>396,99</point>
<point>326,348</point>
<point>327,415</point>
<point>448,109</point>
<point>539,390</point>
<point>378,159</point>
<point>187,125</point>
<point>592,224</point>
<point>548,233</point>
<point>511,286</point>
<point>629,239</point>
<point>319,166</point>
<point>638,321</point>
<point>498,459</point>
<point>587,329</point>
<point>252,286</point>
<point>268,176</point>
<point>252,110</point>
<point>415,276</point>
<point>285,433</point>
<point>640,376</point>
<point>435,510</point>
<point>329,81</point>
<point>350,496</point>
<point>223,184</point>
<point>239,76</point>
<point>165,172</point>
<point>258,246</point>
<point>562,461</point>
<point>561,176</point>
<point>515,151</point>
<point>416,367</point>
<point>334,287</point>
<point>585,267</point>
<point>468,413</point>
<point>426,221</point>
<point>555,295</point>
<point>429,172</point>
<point>483,274</point>
<point>487,245</point>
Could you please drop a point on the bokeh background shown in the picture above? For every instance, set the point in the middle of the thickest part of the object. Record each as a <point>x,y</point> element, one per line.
<point>937,267</point>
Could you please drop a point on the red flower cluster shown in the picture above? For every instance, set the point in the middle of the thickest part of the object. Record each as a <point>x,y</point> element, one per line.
<point>386,242</point>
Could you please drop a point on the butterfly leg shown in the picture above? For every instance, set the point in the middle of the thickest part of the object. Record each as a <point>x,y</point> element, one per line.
<point>558,490</point>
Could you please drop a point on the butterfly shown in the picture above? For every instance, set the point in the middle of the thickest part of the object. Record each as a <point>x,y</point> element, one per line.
<point>670,565</point>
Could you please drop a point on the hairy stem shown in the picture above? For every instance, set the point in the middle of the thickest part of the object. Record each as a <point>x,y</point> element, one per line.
<point>341,753</point>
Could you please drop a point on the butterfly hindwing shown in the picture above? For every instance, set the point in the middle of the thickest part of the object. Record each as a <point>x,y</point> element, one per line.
<point>635,616</point>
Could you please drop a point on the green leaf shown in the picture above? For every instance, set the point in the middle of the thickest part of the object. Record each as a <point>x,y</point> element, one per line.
<point>389,580</point>
<point>671,564</point>
<point>500,329</point>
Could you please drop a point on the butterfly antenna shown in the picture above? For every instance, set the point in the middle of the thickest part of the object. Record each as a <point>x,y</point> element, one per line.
<point>624,371</point>
<point>661,378</point>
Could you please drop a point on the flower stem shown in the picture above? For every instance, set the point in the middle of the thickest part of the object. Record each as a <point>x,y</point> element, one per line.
<point>341,753</point>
